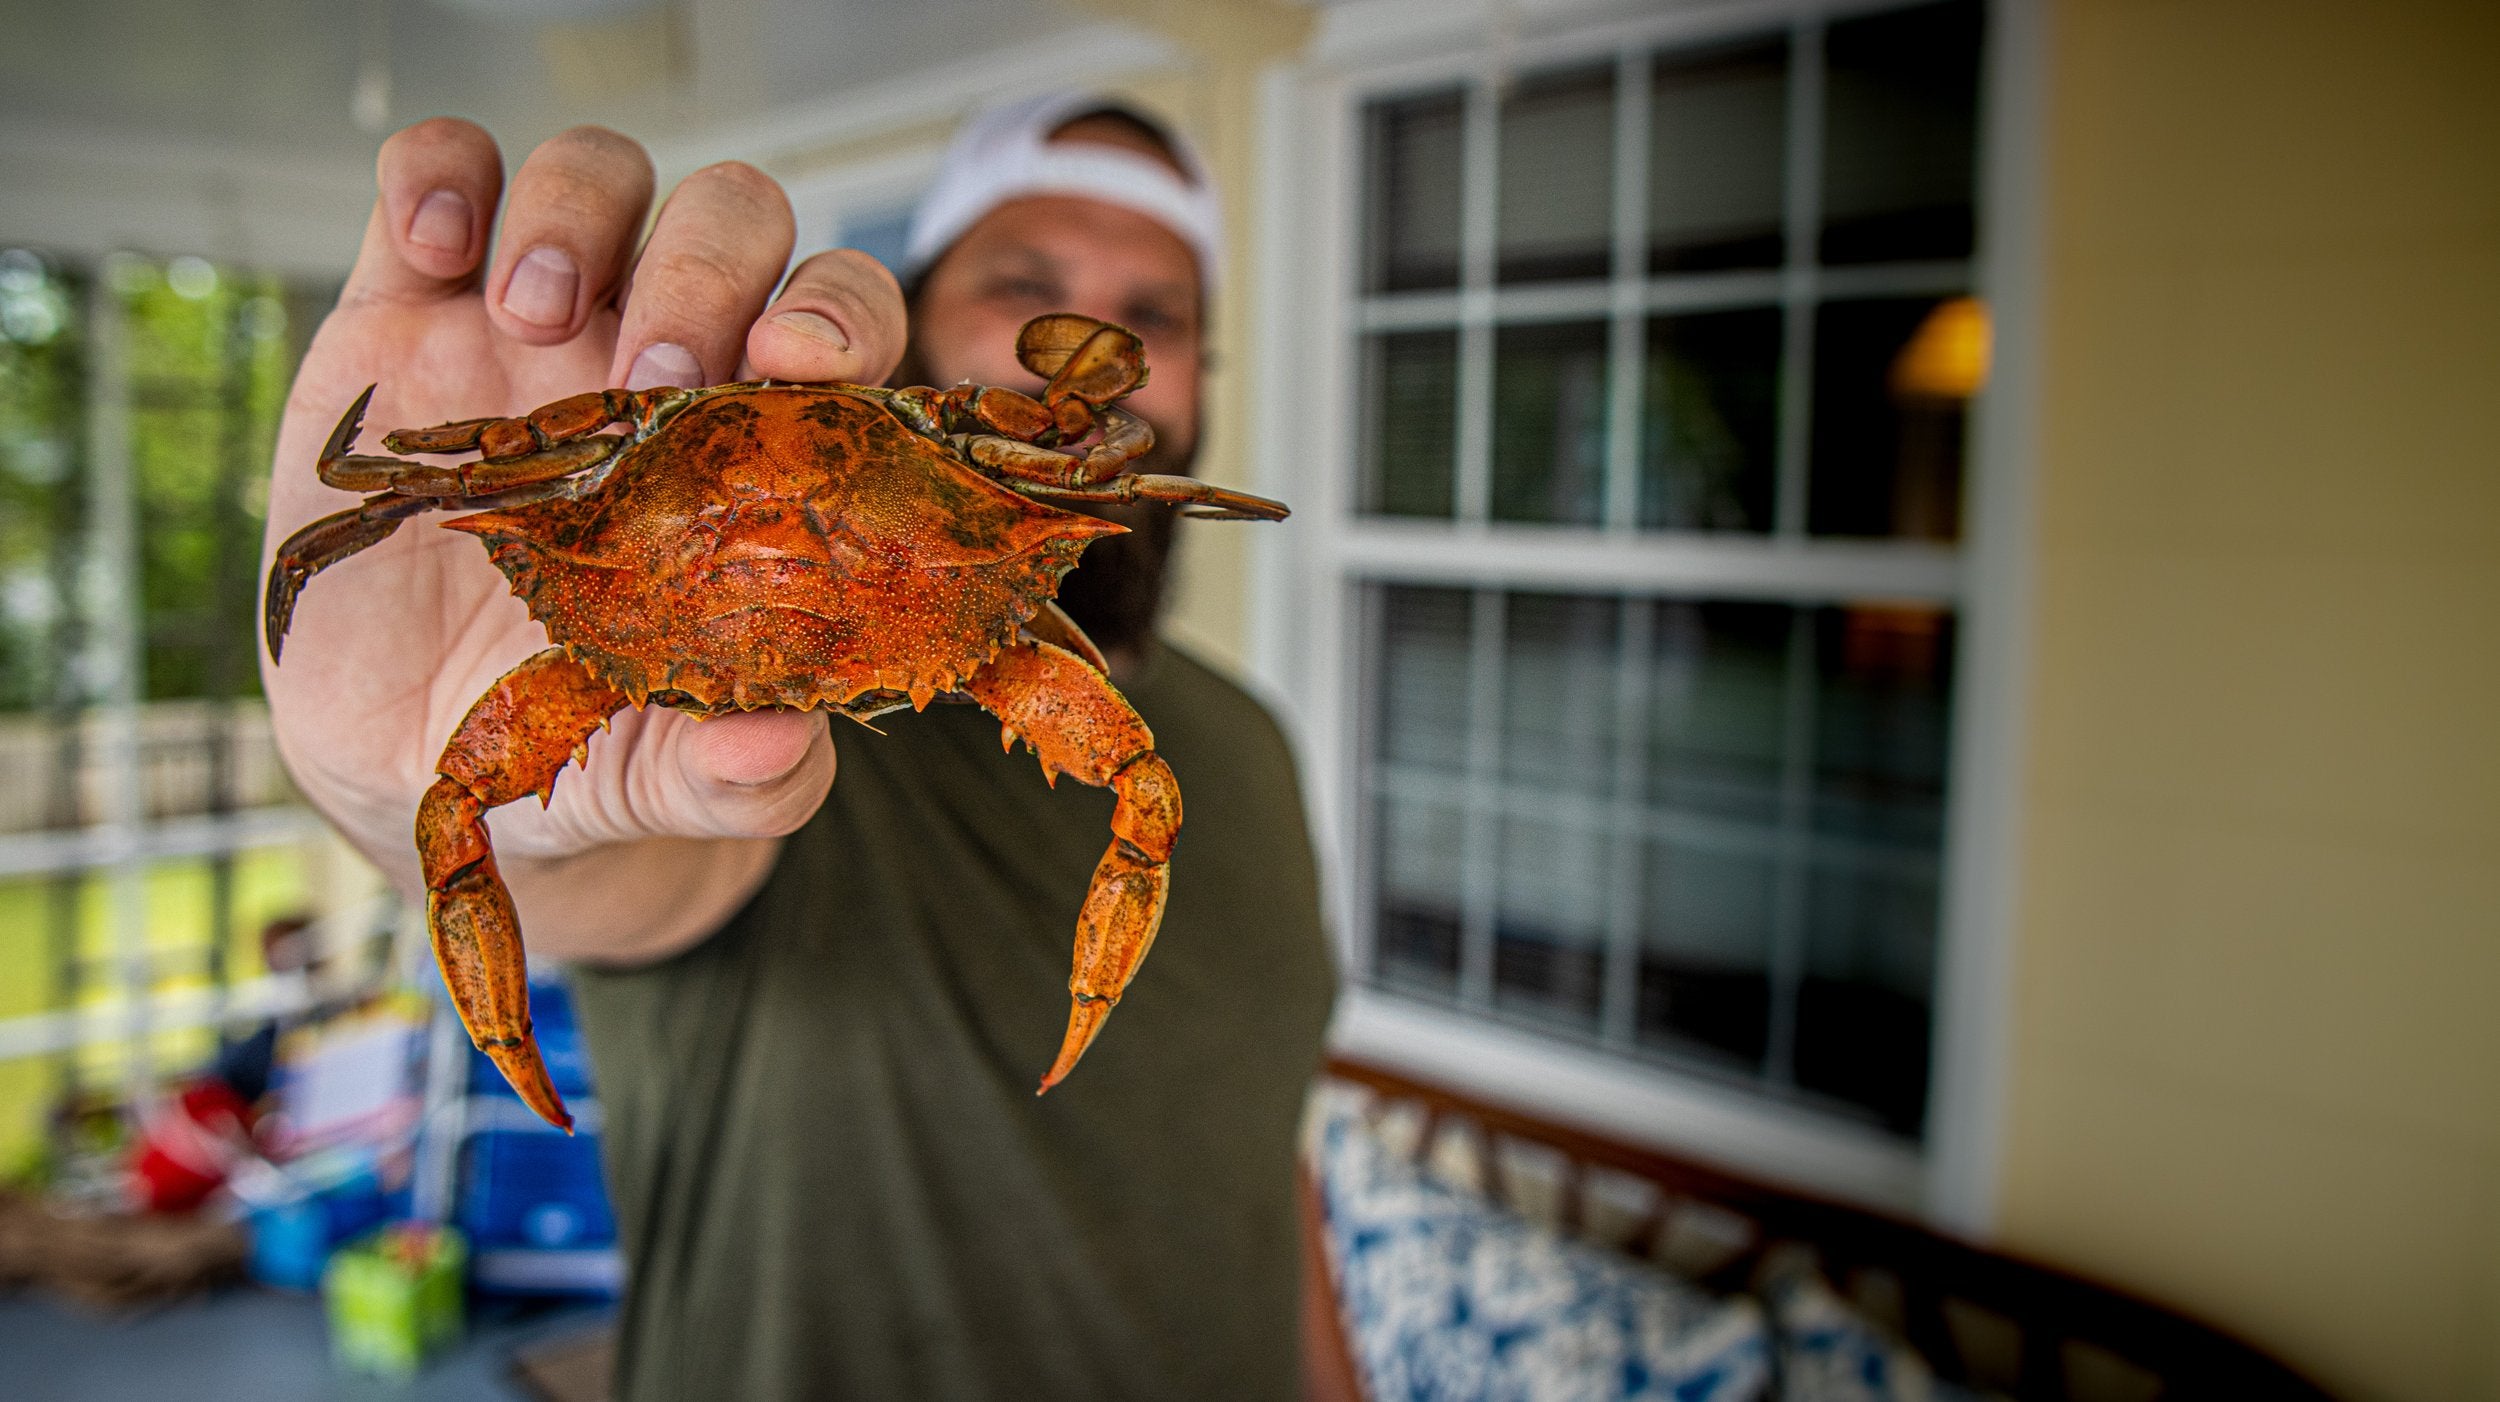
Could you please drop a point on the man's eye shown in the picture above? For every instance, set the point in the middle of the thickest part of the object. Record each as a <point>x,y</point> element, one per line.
<point>1154,321</point>
<point>1027,289</point>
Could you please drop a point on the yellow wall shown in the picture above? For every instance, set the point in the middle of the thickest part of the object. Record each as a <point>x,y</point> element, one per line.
<point>2256,1050</point>
<point>1214,97</point>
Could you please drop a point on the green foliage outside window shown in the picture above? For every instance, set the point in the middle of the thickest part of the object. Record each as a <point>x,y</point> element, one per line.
<point>209,354</point>
<point>39,426</point>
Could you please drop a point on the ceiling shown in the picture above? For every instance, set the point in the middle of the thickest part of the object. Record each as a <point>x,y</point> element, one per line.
<point>245,129</point>
<point>282,76</point>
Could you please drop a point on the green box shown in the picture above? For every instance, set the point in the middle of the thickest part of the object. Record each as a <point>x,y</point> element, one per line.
<point>395,1297</point>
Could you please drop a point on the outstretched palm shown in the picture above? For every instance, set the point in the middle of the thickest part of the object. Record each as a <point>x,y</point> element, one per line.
<point>387,653</point>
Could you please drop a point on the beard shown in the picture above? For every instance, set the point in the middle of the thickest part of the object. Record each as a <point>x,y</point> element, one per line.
<point>1116,591</point>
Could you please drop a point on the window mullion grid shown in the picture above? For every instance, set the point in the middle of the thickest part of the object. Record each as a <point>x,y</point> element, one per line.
<point>1619,1008</point>
<point>1368,829</point>
<point>1479,872</point>
<point>1480,842</point>
<point>1479,196</point>
<point>1618,983</point>
<point>1628,294</point>
<point>1787,954</point>
<point>1802,217</point>
<point>1801,211</point>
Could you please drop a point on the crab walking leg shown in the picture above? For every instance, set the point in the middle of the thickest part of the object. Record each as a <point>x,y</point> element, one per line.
<point>1220,503</point>
<point>1125,438</point>
<point>518,451</point>
<point>1082,727</point>
<point>514,741</point>
<point>410,488</point>
<point>335,537</point>
<point>568,418</point>
<point>322,544</point>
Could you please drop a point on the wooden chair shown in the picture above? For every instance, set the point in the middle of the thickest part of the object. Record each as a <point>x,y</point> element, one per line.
<point>1982,1318</point>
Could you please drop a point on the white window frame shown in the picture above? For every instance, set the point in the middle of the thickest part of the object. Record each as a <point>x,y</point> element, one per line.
<point>1308,579</point>
<point>824,202</point>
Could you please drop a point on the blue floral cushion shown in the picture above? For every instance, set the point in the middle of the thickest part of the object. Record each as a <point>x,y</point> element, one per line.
<point>1448,1297</point>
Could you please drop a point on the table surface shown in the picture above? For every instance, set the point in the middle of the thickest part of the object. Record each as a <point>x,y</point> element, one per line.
<point>248,1343</point>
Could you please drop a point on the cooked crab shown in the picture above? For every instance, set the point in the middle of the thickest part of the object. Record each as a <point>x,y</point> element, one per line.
<point>836,546</point>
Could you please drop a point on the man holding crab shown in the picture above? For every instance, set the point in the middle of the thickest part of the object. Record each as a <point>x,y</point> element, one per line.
<point>816,1008</point>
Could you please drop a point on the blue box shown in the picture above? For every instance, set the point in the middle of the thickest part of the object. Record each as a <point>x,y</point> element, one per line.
<point>534,1189</point>
<point>559,1045</point>
<point>292,1239</point>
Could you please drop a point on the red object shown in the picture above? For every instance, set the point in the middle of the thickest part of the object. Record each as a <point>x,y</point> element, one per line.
<point>188,1145</point>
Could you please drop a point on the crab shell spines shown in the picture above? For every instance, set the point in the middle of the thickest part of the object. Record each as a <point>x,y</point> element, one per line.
<point>785,545</point>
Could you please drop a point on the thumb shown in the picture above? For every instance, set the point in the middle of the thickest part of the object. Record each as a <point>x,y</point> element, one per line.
<point>750,774</point>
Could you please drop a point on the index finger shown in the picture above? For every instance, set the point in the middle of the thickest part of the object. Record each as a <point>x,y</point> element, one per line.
<point>437,185</point>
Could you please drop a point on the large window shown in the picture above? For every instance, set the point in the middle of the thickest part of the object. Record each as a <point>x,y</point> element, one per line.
<point>1661,357</point>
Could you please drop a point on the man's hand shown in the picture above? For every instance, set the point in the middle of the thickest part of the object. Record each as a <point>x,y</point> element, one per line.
<point>674,823</point>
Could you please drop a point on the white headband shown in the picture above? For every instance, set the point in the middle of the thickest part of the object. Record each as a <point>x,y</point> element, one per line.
<point>1005,152</point>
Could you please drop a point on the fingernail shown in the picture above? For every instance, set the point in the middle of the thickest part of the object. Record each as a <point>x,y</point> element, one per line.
<point>815,328</point>
<point>664,363</point>
<point>441,221</point>
<point>542,287</point>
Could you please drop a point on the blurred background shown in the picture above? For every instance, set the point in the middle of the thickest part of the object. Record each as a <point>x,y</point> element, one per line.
<point>1897,597</point>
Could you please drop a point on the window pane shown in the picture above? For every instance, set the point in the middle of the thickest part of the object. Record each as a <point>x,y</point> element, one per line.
<point>1883,687</point>
<point>1716,697</point>
<point>1559,687</point>
<point>1549,422</point>
<point>1411,218</point>
<point>1709,407</point>
<point>1549,934</point>
<point>1420,812</point>
<point>1882,715</point>
<point>1705,950</point>
<point>1718,131</point>
<point>1718,690</point>
<point>1900,119</point>
<point>1410,423</point>
<point>1788,770</point>
<point>1888,427</point>
<point>1423,677</point>
<point>1558,693</point>
<point>1419,893</point>
<point>1557,183</point>
<point>1863,1012</point>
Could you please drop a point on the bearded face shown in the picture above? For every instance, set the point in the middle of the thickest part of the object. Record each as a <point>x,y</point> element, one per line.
<point>1059,253</point>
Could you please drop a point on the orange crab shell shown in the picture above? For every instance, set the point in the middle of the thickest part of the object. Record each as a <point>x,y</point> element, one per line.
<point>786,545</point>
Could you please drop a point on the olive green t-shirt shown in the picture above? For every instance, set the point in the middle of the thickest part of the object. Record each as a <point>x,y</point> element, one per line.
<point>832,1176</point>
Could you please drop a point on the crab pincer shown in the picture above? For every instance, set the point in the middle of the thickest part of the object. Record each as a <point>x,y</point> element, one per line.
<point>1072,718</point>
<point>512,743</point>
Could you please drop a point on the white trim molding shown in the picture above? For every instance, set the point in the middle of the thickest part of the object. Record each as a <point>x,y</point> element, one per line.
<point>1665,1110</point>
<point>1984,836</point>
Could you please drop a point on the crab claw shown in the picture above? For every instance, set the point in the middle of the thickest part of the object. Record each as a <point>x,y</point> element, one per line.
<point>1085,1022</point>
<point>513,741</point>
<point>477,942</point>
<point>1122,911</point>
<point>1080,726</point>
